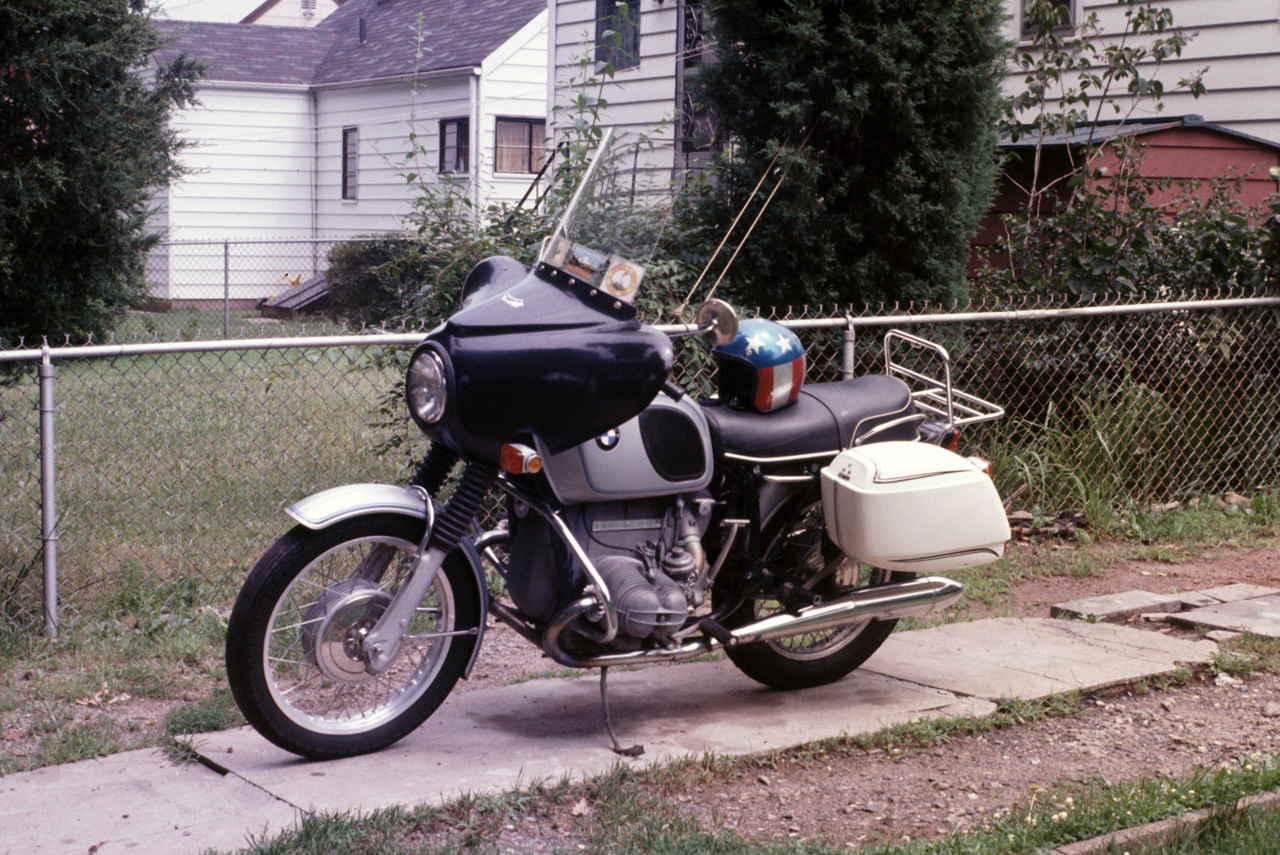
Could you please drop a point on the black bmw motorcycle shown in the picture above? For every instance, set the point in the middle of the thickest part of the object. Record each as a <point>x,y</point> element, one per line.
<point>784,523</point>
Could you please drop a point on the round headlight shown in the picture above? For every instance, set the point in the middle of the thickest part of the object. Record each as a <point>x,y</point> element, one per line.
<point>427,386</point>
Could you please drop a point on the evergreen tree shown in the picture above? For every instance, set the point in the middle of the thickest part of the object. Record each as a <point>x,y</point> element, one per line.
<point>884,112</point>
<point>84,140</point>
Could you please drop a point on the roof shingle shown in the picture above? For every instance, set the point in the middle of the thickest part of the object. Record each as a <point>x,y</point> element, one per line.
<point>454,34</point>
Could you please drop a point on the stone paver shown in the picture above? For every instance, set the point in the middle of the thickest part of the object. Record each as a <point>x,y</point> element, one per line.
<point>1238,591</point>
<point>1032,657</point>
<point>136,801</point>
<point>1118,607</point>
<point>492,739</point>
<point>1260,616</point>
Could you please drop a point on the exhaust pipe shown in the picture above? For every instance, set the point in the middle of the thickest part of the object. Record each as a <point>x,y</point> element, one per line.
<point>915,597</point>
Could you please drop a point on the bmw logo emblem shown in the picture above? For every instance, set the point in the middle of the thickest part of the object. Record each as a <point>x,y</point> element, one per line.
<point>608,440</point>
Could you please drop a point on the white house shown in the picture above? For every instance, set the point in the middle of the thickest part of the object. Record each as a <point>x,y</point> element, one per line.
<point>303,132</point>
<point>660,47</point>
<point>1237,42</point>
<point>278,13</point>
<point>1236,45</point>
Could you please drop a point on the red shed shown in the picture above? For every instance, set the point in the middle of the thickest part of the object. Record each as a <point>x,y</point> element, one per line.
<point>1182,148</point>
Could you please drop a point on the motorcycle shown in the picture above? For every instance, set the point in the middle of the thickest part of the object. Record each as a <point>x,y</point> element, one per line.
<point>788,524</point>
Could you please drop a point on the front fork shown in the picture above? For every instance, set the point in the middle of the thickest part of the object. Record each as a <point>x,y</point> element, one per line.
<point>442,536</point>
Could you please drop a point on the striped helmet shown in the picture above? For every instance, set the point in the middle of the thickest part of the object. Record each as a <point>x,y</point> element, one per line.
<point>762,369</point>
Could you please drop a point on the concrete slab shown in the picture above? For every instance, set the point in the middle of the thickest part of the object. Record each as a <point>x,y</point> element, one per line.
<point>1032,658</point>
<point>496,739</point>
<point>1238,591</point>
<point>136,801</point>
<point>1260,616</point>
<point>1117,607</point>
<point>1196,600</point>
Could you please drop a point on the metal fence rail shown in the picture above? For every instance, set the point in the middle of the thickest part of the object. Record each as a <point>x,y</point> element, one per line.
<point>172,460</point>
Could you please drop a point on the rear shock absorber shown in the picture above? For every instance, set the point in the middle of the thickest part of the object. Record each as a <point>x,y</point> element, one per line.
<point>458,513</point>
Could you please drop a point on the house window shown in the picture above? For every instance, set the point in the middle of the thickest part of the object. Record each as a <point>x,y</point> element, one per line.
<point>455,144</point>
<point>350,162</point>
<point>618,33</point>
<point>519,145</point>
<point>1069,22</point>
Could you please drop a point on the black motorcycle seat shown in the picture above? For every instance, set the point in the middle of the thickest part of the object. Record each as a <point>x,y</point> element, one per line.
<point>825,417</point>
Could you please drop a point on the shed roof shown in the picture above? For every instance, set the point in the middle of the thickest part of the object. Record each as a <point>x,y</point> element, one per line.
<point>1098,133</point>
<point>454,34</point>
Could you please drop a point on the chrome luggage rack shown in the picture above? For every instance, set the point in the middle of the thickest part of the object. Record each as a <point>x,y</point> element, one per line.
<point>937,397</point>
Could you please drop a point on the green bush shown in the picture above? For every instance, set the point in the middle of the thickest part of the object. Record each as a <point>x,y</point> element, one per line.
<point>882,117</point>
<point>375,281</point>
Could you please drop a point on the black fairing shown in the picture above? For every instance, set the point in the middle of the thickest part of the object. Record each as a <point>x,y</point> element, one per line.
<point>549,356</point>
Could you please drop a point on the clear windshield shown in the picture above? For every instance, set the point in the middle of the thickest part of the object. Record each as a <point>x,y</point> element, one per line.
<point>614,221</point>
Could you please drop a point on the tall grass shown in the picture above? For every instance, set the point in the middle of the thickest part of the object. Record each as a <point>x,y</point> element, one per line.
<point>173,470</point>
<point>1125,447</point>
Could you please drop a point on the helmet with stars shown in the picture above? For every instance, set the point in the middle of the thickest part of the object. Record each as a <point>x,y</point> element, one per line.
<point>762,369</point>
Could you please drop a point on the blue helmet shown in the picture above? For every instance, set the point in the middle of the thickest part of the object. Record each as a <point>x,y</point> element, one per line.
<point>762,369</point>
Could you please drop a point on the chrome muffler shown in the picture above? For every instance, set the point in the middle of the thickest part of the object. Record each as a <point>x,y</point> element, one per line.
<point>912,598</point>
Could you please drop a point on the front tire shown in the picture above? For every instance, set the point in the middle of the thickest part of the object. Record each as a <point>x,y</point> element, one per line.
<point>293,655</point>
<point>804,551</point>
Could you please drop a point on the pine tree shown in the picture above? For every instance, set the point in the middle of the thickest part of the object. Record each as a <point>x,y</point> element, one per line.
<point>885,114</point>
<point>84,141</point>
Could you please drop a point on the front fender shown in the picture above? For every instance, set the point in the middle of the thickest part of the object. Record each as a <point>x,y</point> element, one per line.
<point>332,506</point>
<point>328,507</point>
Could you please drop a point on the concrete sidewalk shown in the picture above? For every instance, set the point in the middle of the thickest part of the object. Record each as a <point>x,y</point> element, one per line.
<point>497,739</point>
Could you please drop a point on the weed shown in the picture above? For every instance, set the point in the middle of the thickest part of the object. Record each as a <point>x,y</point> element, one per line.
<point>216,712</point>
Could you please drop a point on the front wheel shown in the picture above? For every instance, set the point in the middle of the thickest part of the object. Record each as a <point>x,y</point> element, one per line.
<point>294,656</point>
<point>807,555</point>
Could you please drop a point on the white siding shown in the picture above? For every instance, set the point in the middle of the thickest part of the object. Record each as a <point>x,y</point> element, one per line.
<point>385,115</point>
<point>641,99</point>
<point>288,13</point>
<point>1238,42</point>
<point>513,84</point>
<point>249,179</point>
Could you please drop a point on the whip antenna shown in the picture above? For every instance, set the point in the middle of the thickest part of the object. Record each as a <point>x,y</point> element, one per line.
<point>732,226</point>
<point>758,215</point>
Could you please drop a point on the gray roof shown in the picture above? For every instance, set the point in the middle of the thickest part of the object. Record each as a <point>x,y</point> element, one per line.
<point>249,53</point>
<point>455,34</point>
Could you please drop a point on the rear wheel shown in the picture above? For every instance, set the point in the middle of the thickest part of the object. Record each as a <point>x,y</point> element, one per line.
<point>804,551</point>
<point>294,657</point>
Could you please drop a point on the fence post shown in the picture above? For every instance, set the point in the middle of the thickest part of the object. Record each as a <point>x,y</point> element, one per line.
<point>846,350</point>
<point>48,497</point>
<point>226,289</point>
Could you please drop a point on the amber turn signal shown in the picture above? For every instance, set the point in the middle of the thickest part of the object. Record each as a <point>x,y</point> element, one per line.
<point>519,459</point>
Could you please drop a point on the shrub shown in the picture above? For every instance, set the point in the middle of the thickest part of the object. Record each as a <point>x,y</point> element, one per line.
<point>375,281</point>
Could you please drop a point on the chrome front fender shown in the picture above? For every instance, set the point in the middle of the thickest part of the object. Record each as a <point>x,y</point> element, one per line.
<point>332,506</point>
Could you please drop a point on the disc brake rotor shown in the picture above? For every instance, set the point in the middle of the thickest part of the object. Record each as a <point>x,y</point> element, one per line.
<point>335,627</point>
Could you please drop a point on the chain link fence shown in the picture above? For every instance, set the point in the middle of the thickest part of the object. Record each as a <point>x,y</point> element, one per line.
<point>173,463</point>
<point>214,289</point>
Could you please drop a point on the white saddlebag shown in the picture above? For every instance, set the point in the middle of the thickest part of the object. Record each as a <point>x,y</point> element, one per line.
<point>912,506</point>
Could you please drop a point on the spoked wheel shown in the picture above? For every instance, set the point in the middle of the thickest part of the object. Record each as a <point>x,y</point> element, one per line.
<point>812,658</point>
<point>294,654</point>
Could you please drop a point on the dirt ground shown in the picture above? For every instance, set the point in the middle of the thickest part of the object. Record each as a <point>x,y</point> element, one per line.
<point>874,795</point>
<point>880,796</point>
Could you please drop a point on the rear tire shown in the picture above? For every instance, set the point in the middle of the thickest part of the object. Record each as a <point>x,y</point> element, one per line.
<point>815,658</point>
<point>293,656</point>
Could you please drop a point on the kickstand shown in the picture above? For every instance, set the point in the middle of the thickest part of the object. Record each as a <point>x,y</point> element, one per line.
<point>634,750</point>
